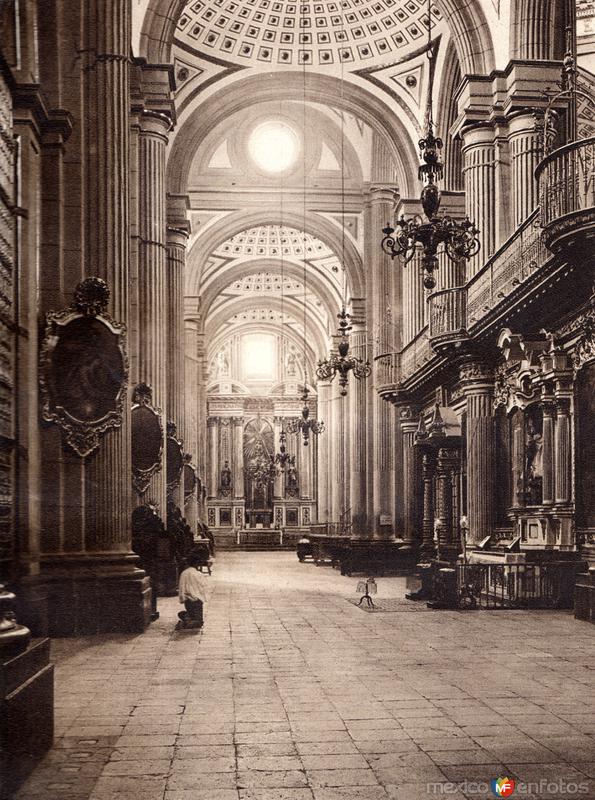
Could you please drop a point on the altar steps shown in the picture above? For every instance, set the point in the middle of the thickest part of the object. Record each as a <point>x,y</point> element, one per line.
<point>257,539</point>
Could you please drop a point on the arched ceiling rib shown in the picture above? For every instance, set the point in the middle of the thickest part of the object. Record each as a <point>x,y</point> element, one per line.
<point>231,225</point>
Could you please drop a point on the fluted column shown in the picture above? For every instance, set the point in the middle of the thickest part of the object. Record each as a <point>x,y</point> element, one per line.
<point>411,477</point>
<point>428,475</point>
<point>477,382</point>
<point>105,154</point>
<point>549,414</point>
<point>152,275</point>
<point>525,154</point>
<point>323,472</point>
<point>446,467</point>
<point>177,238</point>
<point>480,189</point>
<point>237,433</point>
<point>341,448</point>
<point>213,427</point>
<point>563,452</point>
<point>305,468</point>
<point>358,462</point>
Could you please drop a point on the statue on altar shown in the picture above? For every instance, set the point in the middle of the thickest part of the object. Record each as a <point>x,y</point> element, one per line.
<point>225,479</point>
<point>533,464</point>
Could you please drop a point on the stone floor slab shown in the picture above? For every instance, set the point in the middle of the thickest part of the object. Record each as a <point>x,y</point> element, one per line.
<point>291,693</point>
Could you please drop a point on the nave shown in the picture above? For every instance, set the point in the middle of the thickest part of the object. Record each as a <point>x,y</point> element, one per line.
<point>293,693</point>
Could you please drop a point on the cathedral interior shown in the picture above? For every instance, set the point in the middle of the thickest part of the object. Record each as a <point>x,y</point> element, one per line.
<point>306,279</point>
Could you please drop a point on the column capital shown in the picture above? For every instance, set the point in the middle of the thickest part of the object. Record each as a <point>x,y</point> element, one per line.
<point>237,421</point>
<point>563,406</point>
<point>549,408</point>
<point>212,422</point>
<point>408,418</point>
<point>476,374</point>
<point>380,194</point>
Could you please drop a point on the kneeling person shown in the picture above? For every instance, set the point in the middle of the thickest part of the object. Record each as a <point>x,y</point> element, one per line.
<point>192,592</point>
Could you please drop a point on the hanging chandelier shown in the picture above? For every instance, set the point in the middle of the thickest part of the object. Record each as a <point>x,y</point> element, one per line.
<point>283,459</point>
<point>458,239</point>
<point>343,363</point>
<point>304,424</point>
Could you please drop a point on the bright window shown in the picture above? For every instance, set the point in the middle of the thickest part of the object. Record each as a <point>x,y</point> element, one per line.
<point>258,357</point>
<point>274,146</point>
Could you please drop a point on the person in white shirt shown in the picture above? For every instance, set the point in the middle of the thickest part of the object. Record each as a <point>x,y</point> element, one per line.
<point>192,592</point>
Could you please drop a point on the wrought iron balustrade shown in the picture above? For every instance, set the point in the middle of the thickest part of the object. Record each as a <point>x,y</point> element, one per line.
<point>387,371</point>
<point>546,585</point>
<point>518,258</point>
<point>448,315</point>
<point>416,354</point>
<point>566,179</point>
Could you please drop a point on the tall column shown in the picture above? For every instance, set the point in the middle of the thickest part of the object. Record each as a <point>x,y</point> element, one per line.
<point>305,470</point>
<point>563,452</point>
<point>525,154</point>
<point>477,381</point>
<point>323,472</point>
<point>411,477</point>
<point>106,165</point>
<point>549,414</point>
<point>341,455</point>
<point>152,276</point>
<point>358,434</point>
<point>446,468</point>
<point>238,457</point>
<point>177,237</point>
<point>213,485</point>
<point>428,475</point>
<point>480,189</point>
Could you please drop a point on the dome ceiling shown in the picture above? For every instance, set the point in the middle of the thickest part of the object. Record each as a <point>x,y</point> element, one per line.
<point>327,33</point>
<point>273,241</point>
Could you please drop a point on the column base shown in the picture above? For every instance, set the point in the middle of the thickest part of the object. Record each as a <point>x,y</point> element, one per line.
<point>91,594</point>
<point>26,712</point>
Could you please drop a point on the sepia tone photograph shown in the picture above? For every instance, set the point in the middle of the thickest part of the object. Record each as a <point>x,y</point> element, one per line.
<point>297,399</point>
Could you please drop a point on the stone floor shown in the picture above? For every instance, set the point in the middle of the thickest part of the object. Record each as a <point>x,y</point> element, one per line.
<point>292,693</point>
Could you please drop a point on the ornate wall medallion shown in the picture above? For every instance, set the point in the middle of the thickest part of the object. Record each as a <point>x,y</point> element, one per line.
<point>147,438</point>
<point>174,457</point>
<point>84,369</point>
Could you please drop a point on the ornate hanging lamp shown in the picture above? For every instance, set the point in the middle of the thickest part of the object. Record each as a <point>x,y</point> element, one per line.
<point>283,460</point>
<point>458,239</point>
<point>342,363</point>
<point>304,424</point>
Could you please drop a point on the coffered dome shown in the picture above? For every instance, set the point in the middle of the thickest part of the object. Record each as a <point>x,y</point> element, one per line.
<point>286,33</point>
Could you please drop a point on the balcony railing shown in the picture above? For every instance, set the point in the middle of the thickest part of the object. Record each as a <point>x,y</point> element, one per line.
<point>515,261</point>
<point>448,315</point>
<point>566,180</point>
<point>417,353</point>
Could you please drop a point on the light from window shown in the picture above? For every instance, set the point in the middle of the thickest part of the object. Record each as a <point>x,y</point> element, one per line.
<point>274,146</point>
<point>258,357</point>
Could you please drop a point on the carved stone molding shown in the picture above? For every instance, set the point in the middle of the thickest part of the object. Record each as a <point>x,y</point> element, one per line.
<point>147,438</point>
<point>472,372</point>
<point>536,369</point>
<point>84,368</point>
<point>174,458</point>
<point>584,349</point>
